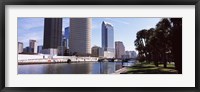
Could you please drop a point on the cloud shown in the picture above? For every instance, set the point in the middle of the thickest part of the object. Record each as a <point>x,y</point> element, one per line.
<point>38,36</point>
<point>27,32</point>
<point>95,26</point>
<point>27,23</point>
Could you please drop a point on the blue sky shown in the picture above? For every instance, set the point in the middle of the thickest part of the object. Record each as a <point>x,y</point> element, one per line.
<point>125,29</point>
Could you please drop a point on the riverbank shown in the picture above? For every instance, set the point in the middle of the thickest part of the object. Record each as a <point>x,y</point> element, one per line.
<point>47,59</point>
<point>145,68</point>
<point>28,63</point>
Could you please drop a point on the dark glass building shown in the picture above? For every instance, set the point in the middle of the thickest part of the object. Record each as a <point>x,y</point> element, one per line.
<point>107,37</point>
<point>52,33</point>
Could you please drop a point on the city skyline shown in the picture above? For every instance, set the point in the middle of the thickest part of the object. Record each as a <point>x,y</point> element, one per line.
<point>125,29</point>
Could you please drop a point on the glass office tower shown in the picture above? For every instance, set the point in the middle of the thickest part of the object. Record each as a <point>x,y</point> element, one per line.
<point>107,37</point>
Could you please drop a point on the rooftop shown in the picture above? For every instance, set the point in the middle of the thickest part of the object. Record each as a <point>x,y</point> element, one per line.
<point>107,23</point>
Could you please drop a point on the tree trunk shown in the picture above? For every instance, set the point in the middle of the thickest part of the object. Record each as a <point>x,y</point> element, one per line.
<point>156,63</point>
<point>165,64</point>
<point>164,60</point>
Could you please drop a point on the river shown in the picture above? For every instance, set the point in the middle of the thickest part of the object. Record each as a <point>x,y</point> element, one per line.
<point>73,68</point>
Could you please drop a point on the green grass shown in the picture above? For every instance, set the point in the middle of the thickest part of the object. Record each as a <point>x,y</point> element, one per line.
<point>144,68</point>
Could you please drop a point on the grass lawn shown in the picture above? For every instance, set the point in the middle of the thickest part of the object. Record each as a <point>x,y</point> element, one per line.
<point>144,68</point>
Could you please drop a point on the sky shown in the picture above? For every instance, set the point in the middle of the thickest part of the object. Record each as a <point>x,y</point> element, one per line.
<point>125,29</point>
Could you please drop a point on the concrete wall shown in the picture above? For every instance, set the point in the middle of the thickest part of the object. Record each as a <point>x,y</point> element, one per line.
<point>72,58</point>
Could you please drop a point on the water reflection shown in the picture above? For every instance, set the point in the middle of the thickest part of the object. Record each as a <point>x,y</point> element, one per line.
<point>72,68</point>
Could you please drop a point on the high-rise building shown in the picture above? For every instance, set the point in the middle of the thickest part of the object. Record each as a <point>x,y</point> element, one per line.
<point>97,51</point>
<point>108,38</point>
<point>39,48</point>
<point>52,33</point>
<point>80,36</point>
<point>32,46</point>
<point>20,47</point>
<point>64,42</point>
<point>119,49</point>
<point>66,35</point>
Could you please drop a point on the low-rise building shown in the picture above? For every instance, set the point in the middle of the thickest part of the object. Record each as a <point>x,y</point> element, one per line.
<point>20,47</point>
<point>108,54</point>
<point>129,54</point>
<point>97,51</point>
<point>51,51</point>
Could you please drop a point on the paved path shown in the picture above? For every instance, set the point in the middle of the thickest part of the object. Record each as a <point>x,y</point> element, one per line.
<point>122,70</point>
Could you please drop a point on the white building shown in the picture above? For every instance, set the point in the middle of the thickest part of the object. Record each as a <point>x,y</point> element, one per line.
<point>51,51</point>
<point>20,47</point>
<point>108,54</point>
<point>33,46</point>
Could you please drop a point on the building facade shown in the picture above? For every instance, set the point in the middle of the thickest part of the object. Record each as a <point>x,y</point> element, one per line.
<point>52,33</point>
<point>66,35</point>
<point>97,51</point>
<point>32,46</point>
<point>119,49</point>
<point>108,39</point>
<point>80,36</point>
<point>39,49</point>
<point>108,54</point>
<point>26,49</point>
<point>50,51</point>
<point>20,47</point>
<point>61,50</point>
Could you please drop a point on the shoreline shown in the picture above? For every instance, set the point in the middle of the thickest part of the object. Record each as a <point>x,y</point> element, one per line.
<point>29,63</point>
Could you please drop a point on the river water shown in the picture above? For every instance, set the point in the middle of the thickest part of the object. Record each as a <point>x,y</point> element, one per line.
<point>73,68</point>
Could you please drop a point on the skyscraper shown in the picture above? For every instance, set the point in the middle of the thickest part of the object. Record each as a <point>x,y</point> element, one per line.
<point>20,47</point>
<point>39,48</point>
<point>108,38</point>
<point>80,36</point>
<point>119,49</point>
<point>52,33</point>
<point>32,46</point>
<point>66,35</point>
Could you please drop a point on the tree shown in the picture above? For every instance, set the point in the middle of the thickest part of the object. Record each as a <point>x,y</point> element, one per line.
<point>140,44</point>
<point>163,29</point>
<point>161,44</point>
<point>177,42</point>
